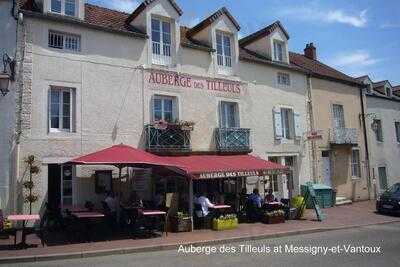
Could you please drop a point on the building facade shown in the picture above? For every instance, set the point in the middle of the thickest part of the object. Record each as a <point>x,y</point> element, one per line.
<point>88,77</point>
<point>337,137</point>
<point>383,130</point>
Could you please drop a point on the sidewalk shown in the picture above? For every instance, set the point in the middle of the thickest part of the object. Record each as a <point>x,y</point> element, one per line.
<point>357,214</point>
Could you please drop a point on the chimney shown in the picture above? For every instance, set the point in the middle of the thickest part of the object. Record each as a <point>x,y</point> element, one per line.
<point>310,51</point>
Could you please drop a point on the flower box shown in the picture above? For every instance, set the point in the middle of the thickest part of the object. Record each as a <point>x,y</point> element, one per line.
<point>220,224</point>
<point>181,224</point>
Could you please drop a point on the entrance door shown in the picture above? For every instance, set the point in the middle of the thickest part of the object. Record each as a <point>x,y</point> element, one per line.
<point>54,185</point>
<point>326,168</point>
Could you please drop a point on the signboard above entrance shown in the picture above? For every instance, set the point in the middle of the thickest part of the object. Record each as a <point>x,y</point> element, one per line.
<point>187,81</point>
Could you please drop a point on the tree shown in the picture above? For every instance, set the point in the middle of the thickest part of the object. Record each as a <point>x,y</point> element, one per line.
<point>33,168</point>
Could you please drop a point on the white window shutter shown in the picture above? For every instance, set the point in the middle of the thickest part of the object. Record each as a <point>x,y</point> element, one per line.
<point>297,125</point>
<point>277,122</point>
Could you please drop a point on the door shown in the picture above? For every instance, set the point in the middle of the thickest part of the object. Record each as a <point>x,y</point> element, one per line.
<point>54,186</point>
<point>383,184</point>
<point>326,168</point>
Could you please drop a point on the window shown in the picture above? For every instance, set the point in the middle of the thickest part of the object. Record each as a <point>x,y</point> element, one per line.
<point>229,115</point>
<point>273,179</point>
<point>283,79</point>
<point>70,7</point>
<point>287,123</point>
<point>388,92</point>
<point>164,108</point>
<point>382,178</point>
<point>338,116</point>
<point>355,163</point>
<point>61,109</point>
<point>397,129</point>
<point>66,185</point>
<point>278,50</point>
<point>161,41</point>
<point>65,7</point>
<point>224,51</point>
<point>56,6</point>
<point>64,41</point>
<point>378,130</point>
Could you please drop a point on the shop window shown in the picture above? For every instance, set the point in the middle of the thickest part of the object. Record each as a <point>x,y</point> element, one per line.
<point>382,178</point>
<point>355,163</point>
<point>338,116</point>
<point>229,115</point>
<point>224,50</point>
<point>161,41</point>
<point>61,109</point>
<point>164,108</point>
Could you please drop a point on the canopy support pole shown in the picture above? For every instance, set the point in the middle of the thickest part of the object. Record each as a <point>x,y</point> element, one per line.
<point>191,200</point>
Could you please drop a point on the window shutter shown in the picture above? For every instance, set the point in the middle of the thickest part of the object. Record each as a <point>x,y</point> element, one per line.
<point>48,109</point>
<point>297,125</point>
<point>221,122</point>
<point>277,122</point>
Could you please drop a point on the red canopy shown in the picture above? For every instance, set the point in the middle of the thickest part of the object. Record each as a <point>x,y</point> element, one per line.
<point>224,166</point>
<point>119,155</point>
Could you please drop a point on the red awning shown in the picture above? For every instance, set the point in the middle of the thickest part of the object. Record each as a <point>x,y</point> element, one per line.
<point>120,155</point>
<point>225,166</point>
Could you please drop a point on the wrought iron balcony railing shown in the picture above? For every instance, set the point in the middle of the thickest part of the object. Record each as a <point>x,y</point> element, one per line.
<point>343,136</point>
<point>169,139</point>
<point>232,139</point>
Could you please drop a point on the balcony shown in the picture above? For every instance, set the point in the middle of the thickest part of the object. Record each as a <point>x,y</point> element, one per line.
<point>236,140</point>
<point>169,139</point>
<point>343,136</point>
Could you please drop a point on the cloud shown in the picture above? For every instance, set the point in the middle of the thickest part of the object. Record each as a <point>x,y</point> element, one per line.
<point>358,20</point>
<point>355,63</point>
<point>388,25</point>
<point>121,5</point>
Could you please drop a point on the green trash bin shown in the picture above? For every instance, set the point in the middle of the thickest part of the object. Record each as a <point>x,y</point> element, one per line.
<point>323,195</point>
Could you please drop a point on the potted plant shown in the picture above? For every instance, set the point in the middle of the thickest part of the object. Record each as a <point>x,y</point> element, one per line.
<point>272,217</point>
<point>181,222</point>
<point>33,169</point>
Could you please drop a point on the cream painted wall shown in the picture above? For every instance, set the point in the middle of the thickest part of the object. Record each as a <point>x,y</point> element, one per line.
<point>324,95</point>
<point>113,101</point>
<point>386,153</point>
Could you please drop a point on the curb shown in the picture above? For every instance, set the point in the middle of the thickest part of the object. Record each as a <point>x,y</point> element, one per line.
<point>131,250</point>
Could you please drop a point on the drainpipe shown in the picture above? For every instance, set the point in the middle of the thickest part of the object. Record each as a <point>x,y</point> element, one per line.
<point>312,128</point>
<point>365,143</point>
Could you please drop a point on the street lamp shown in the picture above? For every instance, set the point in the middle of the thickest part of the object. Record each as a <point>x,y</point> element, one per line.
<point>5,76</point>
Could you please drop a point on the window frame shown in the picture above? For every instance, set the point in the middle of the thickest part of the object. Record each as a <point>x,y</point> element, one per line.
<point>174,108</point>
<point>288,131</point>
<point>61,128</point>
<point>224,55</point>
<point>223,112</point>
<point>379,130</point>
<point>162,58</point>
<point>355,164</point>
<point>277,53</point>
<point>397,130</point>
<point>64,37</point>
<point>71,181</point>
<point>341,123</point>
<point>63,4</point>
<point>285,81</point>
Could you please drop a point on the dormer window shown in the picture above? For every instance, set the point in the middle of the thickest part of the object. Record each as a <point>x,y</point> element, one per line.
<point>161,41</point>
<point>388,92</point>
<point>278,50</point>
<point>224,51</point>
<point>64,7</point>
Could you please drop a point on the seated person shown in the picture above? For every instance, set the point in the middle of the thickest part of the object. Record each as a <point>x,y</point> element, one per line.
<point>269,197</point>
<point>205,204</point>
<point>111,202</point>
<point>135,200</point>
<point>255,198</point>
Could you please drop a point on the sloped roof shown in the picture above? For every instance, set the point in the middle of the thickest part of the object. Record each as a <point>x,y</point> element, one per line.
<point>262,33</point>
<point>210,19</point>
<point>320,69</point>
<point>192,43</point>
<point>145,3</point>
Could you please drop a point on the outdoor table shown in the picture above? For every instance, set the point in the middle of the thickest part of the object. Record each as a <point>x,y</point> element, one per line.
<point>23,218</point>
<point>156,213</point>
<point>86,216</point>
<point>71,209</point>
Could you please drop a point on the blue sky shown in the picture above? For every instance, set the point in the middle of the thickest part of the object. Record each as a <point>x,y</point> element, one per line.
<point>357,37</point>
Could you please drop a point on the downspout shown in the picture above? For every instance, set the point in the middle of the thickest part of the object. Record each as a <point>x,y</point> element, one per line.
<point>312,128</point>
<point>365,143</point>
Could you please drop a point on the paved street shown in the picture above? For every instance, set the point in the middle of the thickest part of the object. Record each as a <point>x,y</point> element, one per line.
<point>385,237</point>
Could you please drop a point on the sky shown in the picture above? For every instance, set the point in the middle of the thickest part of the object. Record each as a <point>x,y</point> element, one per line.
<point>358,37</point>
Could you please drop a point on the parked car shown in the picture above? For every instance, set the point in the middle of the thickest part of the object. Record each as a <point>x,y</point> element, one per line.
<point>389,201</point>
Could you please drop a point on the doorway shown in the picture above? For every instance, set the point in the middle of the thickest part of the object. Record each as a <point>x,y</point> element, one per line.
<point>326,168</point>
